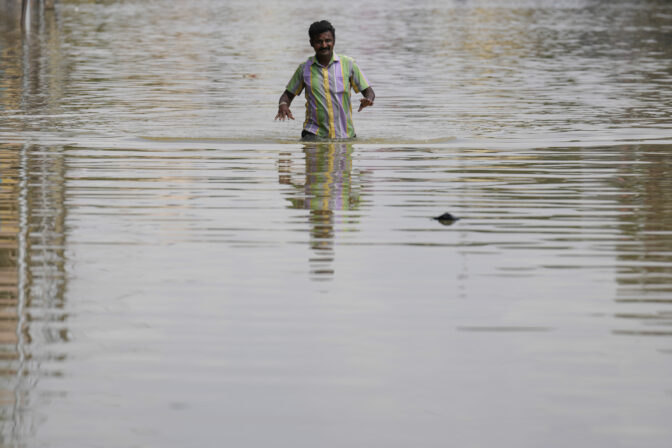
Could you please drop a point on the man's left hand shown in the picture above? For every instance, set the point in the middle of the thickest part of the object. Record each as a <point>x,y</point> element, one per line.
<point>364,102</point>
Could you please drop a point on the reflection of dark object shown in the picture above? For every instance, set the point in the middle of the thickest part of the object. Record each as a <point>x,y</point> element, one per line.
<point>308,136</point>
<point>446,219</point>
<point>24,10</point>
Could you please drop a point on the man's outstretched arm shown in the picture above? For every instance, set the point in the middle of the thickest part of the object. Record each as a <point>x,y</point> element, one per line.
<point>283,106</point>
<point>367,101</point>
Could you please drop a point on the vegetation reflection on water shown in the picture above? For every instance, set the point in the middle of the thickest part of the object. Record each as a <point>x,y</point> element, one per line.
<point>175,270</point>
<point>33,281</point>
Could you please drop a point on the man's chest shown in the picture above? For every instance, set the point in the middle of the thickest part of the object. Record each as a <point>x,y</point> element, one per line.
<point>325,81</point>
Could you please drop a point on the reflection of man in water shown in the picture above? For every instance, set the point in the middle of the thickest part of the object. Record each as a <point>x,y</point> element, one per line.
<point>328,186</point>
<point>327,78</point>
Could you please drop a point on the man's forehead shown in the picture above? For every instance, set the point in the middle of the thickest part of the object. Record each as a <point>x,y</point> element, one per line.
<point>327,34</point>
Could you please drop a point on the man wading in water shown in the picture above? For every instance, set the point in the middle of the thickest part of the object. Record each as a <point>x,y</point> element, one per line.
<point>327,78</point>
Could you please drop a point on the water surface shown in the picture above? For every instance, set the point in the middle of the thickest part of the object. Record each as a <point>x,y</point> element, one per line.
<point>176,269</point>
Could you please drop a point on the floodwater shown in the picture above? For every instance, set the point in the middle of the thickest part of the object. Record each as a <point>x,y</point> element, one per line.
<point>179,270</point>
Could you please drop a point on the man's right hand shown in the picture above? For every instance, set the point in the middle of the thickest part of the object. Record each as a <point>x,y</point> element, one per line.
<point>284,113</point>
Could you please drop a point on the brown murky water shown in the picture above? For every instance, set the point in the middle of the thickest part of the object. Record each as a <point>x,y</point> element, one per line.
<point>176,269</point>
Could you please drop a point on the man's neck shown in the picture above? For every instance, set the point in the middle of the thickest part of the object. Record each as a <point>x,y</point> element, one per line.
<point>324,60</point>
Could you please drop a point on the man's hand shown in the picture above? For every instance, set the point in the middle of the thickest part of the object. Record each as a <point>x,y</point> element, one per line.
<point>367,101</point>
<point>284,113</point>
<point>364,102</point>
<point>283,106</point>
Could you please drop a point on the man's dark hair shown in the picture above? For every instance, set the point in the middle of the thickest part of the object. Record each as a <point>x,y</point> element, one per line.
<point>320,27</point>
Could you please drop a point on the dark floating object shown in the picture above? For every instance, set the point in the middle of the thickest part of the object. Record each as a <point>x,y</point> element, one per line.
<point>446,218</point>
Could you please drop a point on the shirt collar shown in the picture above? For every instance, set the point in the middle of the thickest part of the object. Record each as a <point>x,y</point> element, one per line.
<point>334,58</point>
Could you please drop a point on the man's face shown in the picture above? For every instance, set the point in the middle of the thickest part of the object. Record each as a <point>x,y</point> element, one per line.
<point>323,44</point>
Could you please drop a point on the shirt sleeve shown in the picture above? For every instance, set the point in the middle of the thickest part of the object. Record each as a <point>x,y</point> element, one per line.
<point>357,79</point>
<point>295,85</point>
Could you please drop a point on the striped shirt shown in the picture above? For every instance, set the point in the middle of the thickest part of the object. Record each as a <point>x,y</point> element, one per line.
<point>328,106</point>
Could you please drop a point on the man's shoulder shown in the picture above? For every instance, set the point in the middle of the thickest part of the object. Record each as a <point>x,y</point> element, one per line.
<point>348,61</point>
<point>345,58</point>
